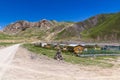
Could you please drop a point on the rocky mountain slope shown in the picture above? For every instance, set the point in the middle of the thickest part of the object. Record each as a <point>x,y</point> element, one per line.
<point>97,28</point>
<point>23,25</point>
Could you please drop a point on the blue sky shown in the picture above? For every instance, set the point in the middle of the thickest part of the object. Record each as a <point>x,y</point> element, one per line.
<point>60,10</point>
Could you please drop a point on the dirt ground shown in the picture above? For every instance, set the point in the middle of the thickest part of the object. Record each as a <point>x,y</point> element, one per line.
<point>29,66</point>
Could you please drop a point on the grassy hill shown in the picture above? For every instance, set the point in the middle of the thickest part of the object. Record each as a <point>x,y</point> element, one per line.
<point>109,30</point>
<point>74,31</point>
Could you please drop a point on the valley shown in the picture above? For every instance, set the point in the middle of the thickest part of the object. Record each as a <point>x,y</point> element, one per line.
<point>32,62</point>
<point>99,28</point>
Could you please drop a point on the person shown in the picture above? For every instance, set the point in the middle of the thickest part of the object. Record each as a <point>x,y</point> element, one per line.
<point>58,55</point>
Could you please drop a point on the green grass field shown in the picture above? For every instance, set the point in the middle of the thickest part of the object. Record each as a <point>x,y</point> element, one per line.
<point>68,57</point>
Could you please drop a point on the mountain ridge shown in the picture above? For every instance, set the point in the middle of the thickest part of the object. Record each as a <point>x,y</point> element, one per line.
<point>93,28</point>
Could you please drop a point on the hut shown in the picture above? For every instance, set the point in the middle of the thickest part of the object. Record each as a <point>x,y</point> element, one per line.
<point>78,49</point>
<point>75,48</point>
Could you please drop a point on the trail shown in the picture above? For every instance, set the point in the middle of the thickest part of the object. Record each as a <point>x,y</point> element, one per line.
<point>6,57</point>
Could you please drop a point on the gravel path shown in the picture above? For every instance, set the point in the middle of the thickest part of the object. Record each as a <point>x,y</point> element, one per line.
<point>6,57</point>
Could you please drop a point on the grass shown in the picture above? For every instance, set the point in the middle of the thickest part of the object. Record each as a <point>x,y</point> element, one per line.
<point>31,33</point>
<point>6,43</point>
<point>68,57</point>
<point>68,33</point>
<point>5,36</point>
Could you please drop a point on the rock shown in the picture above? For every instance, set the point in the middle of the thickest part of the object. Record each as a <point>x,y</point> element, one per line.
<point>23,25</point>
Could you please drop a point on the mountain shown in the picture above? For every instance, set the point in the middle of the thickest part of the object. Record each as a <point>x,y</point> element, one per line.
<point>103,27</point>
<point>109,30</point>
<point>43,29</point>
<point>23,25</point>
<point>74,31</point>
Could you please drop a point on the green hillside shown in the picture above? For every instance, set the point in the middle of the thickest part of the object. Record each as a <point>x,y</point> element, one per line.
<point>108,30</point>
<point>74,32</point>
<point>5,36</point>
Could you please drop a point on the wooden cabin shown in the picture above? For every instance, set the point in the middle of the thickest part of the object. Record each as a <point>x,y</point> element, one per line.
<point>78,49</point>
<point>75,48</point>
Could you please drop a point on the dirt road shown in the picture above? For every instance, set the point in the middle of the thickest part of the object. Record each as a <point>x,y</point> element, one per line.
<point>25,65</point>
<point>6,57</point>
